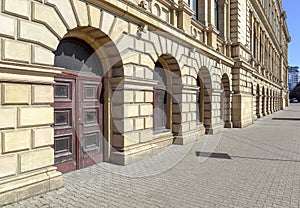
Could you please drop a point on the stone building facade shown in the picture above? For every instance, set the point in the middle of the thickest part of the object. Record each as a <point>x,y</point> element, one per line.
<point>86,81</point>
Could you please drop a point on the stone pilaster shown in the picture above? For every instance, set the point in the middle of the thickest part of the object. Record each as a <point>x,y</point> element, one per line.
<point>184,18</point>
<point>132,120</point>
<point>184,126</point>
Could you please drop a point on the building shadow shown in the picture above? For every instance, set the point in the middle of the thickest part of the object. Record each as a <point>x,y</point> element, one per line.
<point>286,119</point>
<point>213,155</point>
<point>227,156</point>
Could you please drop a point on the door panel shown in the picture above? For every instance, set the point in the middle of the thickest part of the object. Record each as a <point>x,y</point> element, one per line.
<point>64,126</point>
<point>78,121</point>
<point>90,120</point>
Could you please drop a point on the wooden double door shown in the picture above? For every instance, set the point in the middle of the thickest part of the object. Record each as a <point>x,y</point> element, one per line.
<point>78,120</point>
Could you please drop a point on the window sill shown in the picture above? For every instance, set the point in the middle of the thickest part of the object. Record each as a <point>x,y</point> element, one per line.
<point>163,135</point>
<point>161,131</point>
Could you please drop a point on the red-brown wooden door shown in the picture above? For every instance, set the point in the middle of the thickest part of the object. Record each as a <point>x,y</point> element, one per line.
<point>78,121</point>
<point>90,120</point>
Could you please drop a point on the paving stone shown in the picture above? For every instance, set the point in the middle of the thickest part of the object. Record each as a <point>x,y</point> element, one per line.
<point>263,171</point>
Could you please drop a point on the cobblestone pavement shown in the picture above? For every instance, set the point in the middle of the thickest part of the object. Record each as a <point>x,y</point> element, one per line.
<point>259,167</point>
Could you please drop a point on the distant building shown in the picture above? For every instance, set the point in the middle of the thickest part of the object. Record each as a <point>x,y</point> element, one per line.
<point>293,77</point>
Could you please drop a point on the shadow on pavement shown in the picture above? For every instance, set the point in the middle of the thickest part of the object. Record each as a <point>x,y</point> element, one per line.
<point>227,156</point>
<point>286,119</point>
<point>271,159</point>
<point>213,155</point>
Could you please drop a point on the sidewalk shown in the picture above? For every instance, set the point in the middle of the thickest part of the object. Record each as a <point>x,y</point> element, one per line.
<point>258,166</point>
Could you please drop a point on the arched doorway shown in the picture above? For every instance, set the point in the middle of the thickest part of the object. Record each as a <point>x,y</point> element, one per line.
<point>226,102</point>
<point>205,116</point>
<point>263,101</point>
<point>200,101</point>
<point>258,98</point>
<point>166,107</point>
<point>78,106</point>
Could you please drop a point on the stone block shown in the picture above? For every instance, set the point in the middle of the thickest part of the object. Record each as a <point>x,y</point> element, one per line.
<point>7,118</point>
<point>35,116</point>
<point>193,107</point>
<point>146,110</point>
<point>131,57</point>
<point>42,94</point>
<point>131,110</point>
<point>122,126</point>
<point>128,70</point>
<point>148,73</point>
<point>15,93</point>
<point>125,140</point>
<point>119,27</point>
<point>42,137</point>
<point>148,97</point>
<point>38,34</point>
<point>133,29</point>
<point>139,72</point>
<point>20,8</point>
<point>94,16</point>
<point>106,22</point>
<point>66,11</point>
<point>185,107</point>
<point>128,96</point>
<point>146,60</point>
<point>48,16</point>
<point>139,123</point>
<point>8,164</point>
<point>121,97</point>
<point>36,159</point>
<point>16,140</point>
<point>146,135</point>
<point>16,51</point>
<point>148,122</point>
<point>139,96</point>
<point>81,11</point>
<point>9,29</point>
<point>42,56</point>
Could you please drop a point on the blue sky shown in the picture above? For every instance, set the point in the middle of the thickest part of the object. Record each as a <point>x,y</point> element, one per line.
<point>293,19</point>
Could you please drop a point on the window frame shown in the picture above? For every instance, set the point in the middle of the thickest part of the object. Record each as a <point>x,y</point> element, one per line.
<point>167,101</point>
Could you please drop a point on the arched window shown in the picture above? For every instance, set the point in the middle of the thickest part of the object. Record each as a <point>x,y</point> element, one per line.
<point>160,100</point>
<point>75,54</point>
<point>200,101</point>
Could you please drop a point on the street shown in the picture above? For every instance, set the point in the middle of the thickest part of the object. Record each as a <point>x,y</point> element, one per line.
<point>257,166</point>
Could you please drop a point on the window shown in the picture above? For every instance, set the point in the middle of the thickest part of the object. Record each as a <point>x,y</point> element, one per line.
<point>254,43</point>
<point>160,101</point>
<point>194,6</point>
<point>216,11</point>
<point>75,54</point>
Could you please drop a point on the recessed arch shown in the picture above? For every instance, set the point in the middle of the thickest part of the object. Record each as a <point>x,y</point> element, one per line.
<point>226,101</point>
<point>263,101</point>
<point>167,95</point>
<point>103,46</point>
<point>90,52</point>
<point>205,83</point>
<point>258,98</point>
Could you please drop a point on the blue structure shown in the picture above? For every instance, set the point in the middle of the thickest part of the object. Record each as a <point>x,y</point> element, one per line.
<point>293,77</point>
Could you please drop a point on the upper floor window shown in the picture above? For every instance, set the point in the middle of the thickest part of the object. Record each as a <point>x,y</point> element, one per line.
<point>216,11</point>
<point>194,6</point>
